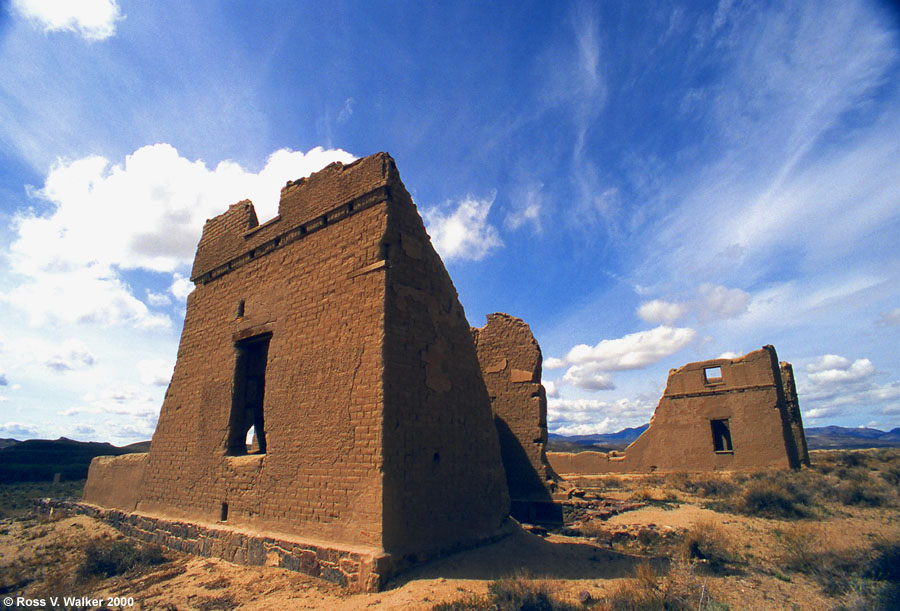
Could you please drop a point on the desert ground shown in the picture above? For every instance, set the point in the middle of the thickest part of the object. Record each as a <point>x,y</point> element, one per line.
<point>827,537</point>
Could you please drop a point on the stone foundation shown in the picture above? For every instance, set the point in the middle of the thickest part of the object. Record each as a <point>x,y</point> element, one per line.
<point>356,569</point>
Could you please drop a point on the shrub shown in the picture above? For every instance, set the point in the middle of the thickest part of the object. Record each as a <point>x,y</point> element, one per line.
<point>106,559</point>
<point>646,590</point>
<point>771,499</point>
<point>708,542</point>
<point>860,493</point>
<point>519,594</point>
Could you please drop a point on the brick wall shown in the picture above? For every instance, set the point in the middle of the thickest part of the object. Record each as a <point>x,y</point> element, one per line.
<point>748,398</point>
<point>377,421</point>
<point>510,360</point>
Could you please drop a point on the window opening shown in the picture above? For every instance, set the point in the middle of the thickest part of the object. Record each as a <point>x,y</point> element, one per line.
<point>721,432</point>
<point>223,514</point>
<point>247,398</point>
<point>713,375</point>
<point>240,309</point>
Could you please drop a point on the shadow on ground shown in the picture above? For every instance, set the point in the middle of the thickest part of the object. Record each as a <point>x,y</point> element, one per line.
<point>525,554</point>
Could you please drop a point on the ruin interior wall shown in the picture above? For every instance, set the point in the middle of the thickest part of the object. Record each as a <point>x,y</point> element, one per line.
<point>444,481</point>
<point>745,403</point>
<point>510,360</point>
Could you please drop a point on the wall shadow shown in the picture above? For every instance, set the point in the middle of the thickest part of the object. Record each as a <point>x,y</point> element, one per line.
<point>525,554</point>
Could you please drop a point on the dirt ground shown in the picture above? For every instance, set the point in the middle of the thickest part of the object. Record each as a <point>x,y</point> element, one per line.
<point>41,558</point>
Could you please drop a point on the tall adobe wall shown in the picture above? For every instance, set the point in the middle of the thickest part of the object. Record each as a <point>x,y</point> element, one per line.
<point>335,329</point>
<point>443,479</point>
<point>723,414</point>
<point>510,360</point>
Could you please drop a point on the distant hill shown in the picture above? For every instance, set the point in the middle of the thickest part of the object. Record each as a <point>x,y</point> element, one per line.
<point>839,437</point>
<point>38,460</point>
<point>5,443</point>
<point>817,438</point>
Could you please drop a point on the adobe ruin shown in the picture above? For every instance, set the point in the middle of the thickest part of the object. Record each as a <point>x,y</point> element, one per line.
<point>335,333</point>
<point>511,361</point>
<point>723,414</point>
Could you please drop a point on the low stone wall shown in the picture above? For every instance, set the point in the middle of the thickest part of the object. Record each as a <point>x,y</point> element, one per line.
<point>357,571</point>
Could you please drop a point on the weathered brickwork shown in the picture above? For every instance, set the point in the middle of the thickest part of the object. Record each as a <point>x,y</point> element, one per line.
<point>372,403</point>
<point>724,414</point>
<point>510,360</point>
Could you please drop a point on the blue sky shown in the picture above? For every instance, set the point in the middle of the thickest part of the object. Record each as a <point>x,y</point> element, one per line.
<point>646,184</point>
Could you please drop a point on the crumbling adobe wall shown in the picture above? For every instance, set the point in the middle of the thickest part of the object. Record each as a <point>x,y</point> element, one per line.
<point>444,480</point>
<point>510,360</point>
<point>377,422</point>
<point>307,286</point>
<point>116,481</point>
<point>747,400</point>
<point>792,404</point>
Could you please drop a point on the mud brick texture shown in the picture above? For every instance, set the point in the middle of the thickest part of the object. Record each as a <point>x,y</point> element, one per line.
<point>510,360</point>
<point>754,398</point>
<point>378,426</point>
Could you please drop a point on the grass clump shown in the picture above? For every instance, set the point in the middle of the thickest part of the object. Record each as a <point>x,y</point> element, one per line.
<point>511,594</point>
<point>109,558</point>
<point>771,499</point>
<point>647,590</point>
<point>707,544</point>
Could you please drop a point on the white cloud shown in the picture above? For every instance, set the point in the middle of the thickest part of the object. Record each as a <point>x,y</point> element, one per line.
<point>72,354</point>
<point>158,299</point>
<point>155,372</point>
<point>69,355</point>
<point>590,416</point>
<point>554,363</point>
<point>526,208</point>
<point>181,287</point>
<point>92,19</point>
<point>633,351</point>
<point>834,385</point>
<point>91,294</point>
<point>841,373</point>
<point>550,386</point>
<point>889,319</point>
<point>826,362</point>
<point>659,311</point>
<point>589,376</point>
<point>721,302</point>
<point>462,232</point>
<point>17,429</point>
<point>147,213</point>
<point>728,354</point>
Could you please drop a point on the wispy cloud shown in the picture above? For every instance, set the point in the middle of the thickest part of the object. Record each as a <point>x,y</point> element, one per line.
<point>461,231</point>
<point>91,19</point>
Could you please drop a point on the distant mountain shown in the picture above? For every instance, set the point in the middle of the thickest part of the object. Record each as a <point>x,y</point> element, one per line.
<point>40,459</point>
<point>5,443</point>
<point>817,438</point>
<point>840,437</point>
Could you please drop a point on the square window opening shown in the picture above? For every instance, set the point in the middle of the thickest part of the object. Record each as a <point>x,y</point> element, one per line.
<point>712,375</point>
<point>721,432</point>
<point>246,424</point>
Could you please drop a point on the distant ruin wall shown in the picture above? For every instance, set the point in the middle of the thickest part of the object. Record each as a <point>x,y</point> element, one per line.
<point>510,360</point>
<point>723,414</point>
